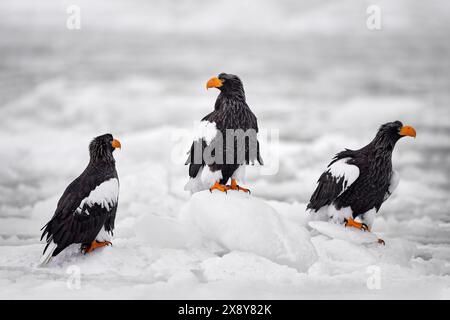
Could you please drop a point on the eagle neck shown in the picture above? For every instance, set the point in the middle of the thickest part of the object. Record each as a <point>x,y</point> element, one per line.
<point>381,157</point>
<point>228,102</point>
<point>103,162</point>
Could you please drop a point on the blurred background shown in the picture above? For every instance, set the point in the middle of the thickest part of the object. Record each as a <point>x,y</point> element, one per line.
<point>137,69</point>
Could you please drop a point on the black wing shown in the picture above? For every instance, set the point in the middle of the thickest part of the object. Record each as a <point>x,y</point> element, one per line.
<point>338,177</point>
<point>195,158</point>
<point>74,224</point>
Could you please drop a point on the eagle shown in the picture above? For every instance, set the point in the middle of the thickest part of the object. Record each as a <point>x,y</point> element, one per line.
<point>226,140</point>
<point>357,182</point>
<point>86,211</point>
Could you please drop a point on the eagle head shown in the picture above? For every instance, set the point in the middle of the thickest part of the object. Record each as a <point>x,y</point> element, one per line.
<point>227,83</point>
<point>391,132</point>
<point>102,147</point>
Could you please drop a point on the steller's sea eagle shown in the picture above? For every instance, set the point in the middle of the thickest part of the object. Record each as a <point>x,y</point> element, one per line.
<point>357,182</point>
<point>226,140</point>
<point>86,211</point>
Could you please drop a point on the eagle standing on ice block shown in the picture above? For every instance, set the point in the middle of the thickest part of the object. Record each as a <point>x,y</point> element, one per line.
<point>229,154</point>
<point>357,182</point>
<point>86,211</point>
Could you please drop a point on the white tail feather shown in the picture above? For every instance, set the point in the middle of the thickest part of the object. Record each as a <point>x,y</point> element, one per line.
<point>48,255</point>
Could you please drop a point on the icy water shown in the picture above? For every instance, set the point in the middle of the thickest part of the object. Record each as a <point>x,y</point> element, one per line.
<point>138,70</point>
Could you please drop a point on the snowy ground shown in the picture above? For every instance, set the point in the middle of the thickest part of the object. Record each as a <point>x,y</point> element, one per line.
<point>137,69</point>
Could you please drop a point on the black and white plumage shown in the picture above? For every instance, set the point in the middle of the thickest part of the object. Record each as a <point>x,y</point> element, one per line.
<point>357,182</point>
<point>230,112</point>
<point>86,211</point>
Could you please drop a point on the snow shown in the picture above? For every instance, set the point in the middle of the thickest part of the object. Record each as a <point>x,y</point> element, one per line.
<point>106,195</point>
<point>166,232</point>
<point>246,266</point>
<point>238,221</point>
<point>144,92</point>
<point>337,231</point>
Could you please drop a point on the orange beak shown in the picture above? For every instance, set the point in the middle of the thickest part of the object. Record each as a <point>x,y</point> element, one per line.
<point>116,144</point>
<point>408,131</point>
<point>214,83</point>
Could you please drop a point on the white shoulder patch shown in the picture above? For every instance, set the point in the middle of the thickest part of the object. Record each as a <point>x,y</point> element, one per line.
<point>395,180</point>
<point>106,195</point>
<point>205,130</point>
<point>341,169</point>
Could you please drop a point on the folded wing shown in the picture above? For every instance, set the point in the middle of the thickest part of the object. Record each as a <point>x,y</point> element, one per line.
<point>338,177</point>
<point>82,212</point>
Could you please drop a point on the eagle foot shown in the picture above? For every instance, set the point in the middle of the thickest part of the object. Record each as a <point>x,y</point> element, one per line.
<point>381,241</point>
<point>352,223</point>
<point>235,186</point>
<point>94,245</point>
<point>218,186</point>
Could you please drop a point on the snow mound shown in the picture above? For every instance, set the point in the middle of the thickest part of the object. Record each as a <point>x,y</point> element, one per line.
<point>242,266</point>
<point>240,222</point>
<point>337,231</point>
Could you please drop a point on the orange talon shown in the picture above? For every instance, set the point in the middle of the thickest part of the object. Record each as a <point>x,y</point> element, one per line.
<point>235,186</point>
<point>361,226</point>
<point>218,186</point>
<point>352,223</point>
<point>95,244</point>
